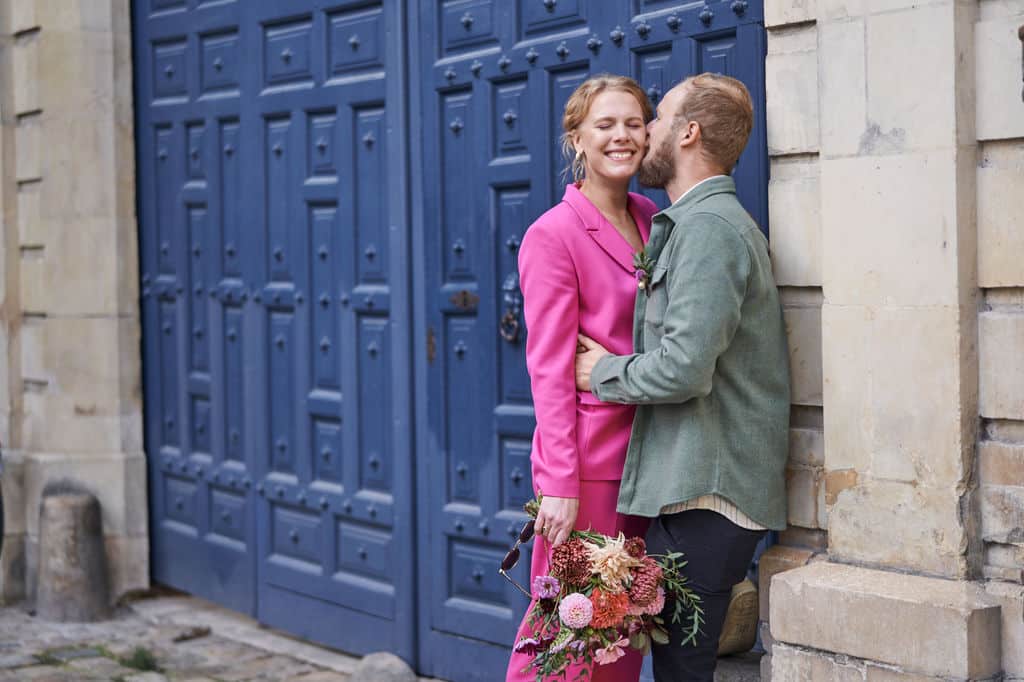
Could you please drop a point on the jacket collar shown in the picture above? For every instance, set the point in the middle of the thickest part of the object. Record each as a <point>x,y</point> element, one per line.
<point>667,219</point>
<point>602,231</point>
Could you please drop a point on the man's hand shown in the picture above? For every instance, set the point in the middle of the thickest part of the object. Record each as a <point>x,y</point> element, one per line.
<point>588,352</point>
<point>556,518</point>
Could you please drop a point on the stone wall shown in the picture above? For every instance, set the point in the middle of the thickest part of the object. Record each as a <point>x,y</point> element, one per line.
<point>70,355</point>
<point>896,131</point>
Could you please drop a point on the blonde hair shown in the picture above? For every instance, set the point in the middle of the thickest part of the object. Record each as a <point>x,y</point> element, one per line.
<point>578,106</point>
<point>722,107</point>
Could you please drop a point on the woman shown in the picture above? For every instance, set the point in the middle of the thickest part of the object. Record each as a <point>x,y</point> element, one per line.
<point>577,276</point>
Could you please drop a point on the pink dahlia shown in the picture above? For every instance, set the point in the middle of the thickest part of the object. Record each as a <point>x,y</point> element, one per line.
<point>546,587</point>
<point>655,607</point>
<point>576,611</point>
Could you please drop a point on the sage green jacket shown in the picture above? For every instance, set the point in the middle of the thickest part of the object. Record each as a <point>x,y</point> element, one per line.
<point>711,368</point>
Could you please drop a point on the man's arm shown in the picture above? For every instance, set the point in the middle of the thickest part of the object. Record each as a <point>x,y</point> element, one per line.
<point>706,283</point>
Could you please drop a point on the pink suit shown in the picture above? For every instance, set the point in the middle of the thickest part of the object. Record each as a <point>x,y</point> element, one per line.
<point>576,274</point>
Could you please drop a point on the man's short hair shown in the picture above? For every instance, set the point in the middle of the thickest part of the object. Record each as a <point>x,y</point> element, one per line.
<point>722,107</point>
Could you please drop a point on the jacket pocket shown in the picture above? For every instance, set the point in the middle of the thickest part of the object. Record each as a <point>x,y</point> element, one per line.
<point>657,301</point>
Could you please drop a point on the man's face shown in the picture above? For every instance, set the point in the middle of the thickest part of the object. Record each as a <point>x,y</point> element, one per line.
<point>658,167</point>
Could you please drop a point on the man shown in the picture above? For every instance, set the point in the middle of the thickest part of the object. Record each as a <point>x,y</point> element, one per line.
<point>709,443</point>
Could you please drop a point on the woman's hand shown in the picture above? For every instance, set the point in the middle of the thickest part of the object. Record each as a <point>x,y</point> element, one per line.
<point>556,518</point>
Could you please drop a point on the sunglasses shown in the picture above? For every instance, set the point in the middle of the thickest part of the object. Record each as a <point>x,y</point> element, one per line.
<point>512,558</point>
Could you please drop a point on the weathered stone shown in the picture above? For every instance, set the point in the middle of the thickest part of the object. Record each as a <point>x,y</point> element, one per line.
<point>799,665</point>
<point>842,86</point>
<point>383,667</point>
<point>833,607</point>
<point>774,560</point>
<point>905,111</point>
<point>920,219</point>
<point>804,538</point>
<point>794,212</point>
<point>791,74</point>
<point>72,565</point>
<point>892,387</point>
<point>27,142</point>
<point>803,331</point>
<point>1000,338</point>
<point>1002,513</point>
<point>1000,214</point>
<point>783,12</point>
<point>802,495</point>
<point>807,447</point>
<point>901,525</point>
<point>24,64</point>
<point>1001,463</point>
<point>997,55</point>
<point>1011,601</point>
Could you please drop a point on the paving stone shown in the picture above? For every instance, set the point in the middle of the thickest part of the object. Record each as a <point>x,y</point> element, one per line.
<point>73,653</point>
<point>146,677</point>
<point>321,676</point>
<point>42,673</point>
<point>15,660</point>
<point>101,667</point>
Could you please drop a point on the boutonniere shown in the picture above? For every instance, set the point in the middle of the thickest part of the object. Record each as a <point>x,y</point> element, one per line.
<point>644,265</point>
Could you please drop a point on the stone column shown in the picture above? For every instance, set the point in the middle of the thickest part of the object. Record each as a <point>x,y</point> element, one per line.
<point>77,320</point>
<point>899,596</point>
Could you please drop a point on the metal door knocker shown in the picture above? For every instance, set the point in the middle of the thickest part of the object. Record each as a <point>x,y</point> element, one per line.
<point>508,327</point>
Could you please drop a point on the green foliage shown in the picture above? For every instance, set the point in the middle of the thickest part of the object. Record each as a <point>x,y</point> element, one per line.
<point>142,659</point>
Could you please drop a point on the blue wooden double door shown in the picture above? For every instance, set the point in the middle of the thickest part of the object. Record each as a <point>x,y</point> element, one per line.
<point>331,198</point>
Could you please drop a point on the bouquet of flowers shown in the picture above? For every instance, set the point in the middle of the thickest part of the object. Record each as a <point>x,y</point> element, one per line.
<point>602,595</point>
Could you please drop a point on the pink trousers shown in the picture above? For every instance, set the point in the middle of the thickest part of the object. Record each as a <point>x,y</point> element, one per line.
<point>596,512</point>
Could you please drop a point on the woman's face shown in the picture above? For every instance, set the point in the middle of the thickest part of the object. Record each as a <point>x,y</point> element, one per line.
<point>613,136</point>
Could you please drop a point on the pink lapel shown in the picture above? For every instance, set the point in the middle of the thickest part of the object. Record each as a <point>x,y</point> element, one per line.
<point>602,231</point>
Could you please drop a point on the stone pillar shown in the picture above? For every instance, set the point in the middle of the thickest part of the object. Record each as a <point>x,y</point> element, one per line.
<point>900,93</point>
<point>76,320</point>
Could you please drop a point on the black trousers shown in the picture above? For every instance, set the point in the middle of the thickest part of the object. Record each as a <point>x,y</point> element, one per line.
<point>718,553</point>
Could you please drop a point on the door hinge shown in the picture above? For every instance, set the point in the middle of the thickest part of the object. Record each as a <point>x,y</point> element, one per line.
<point>431,346</point>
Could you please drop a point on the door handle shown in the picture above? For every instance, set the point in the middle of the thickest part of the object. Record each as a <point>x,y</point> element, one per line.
<point>508,326</point>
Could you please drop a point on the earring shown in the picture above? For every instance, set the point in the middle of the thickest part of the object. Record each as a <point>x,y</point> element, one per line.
<point>578,166</point>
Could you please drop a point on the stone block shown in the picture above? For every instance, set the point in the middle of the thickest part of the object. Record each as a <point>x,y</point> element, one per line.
<point>23,15</point>
<point>31,231</point>
<point>33,365</point>
<point>25,74</point>
<point>891,384</point>
<point>1003,555</point>
<point>803,331</point>
<point>904,526</point>
<point>35,291</point>
<point>935,627</point>
<point>794,212</point>
<point>1001,463</point>
<point>842,85</point>
<point>805,538</point>
<point>888,247</point>
<point>27,143</point>
<point>385,667</point>
<point>1002,513</point>
<point>1011,601</point>
<point>802,496</point>
<point>784,12</point>
<point>86,257</point>
<point>800,665</point>
<point>791,77</point>
<point>118,480</point>
<point>1001,364</point>
<point>13,482</point>
<point>807,447</point>
<point>73,585</point>
<point>128,560</point>
<point>1000,214</point>
<point>774,560</point>
<point>80,15</point>
<point>12,569</point>
<point>997,66</point>
<point>905,111</point>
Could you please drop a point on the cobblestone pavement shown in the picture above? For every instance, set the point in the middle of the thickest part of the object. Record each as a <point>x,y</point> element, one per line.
<point>188,640</point>
<point>184,638</point>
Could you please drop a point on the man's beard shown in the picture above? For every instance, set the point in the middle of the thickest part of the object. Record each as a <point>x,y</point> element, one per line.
<point>657,169</point>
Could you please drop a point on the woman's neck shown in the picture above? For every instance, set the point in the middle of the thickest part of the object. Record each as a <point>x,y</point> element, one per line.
<point>611,198</point>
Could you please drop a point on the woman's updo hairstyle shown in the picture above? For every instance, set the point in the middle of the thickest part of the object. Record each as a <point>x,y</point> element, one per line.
<point>578,106</point>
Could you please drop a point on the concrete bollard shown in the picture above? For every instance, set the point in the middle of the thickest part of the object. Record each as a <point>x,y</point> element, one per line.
<point>72,584</point>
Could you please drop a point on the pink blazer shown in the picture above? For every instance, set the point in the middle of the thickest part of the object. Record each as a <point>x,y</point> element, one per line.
<point>576,274</point>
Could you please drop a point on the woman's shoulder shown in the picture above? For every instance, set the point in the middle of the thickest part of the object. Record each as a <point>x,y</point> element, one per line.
<point>558,222</point>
